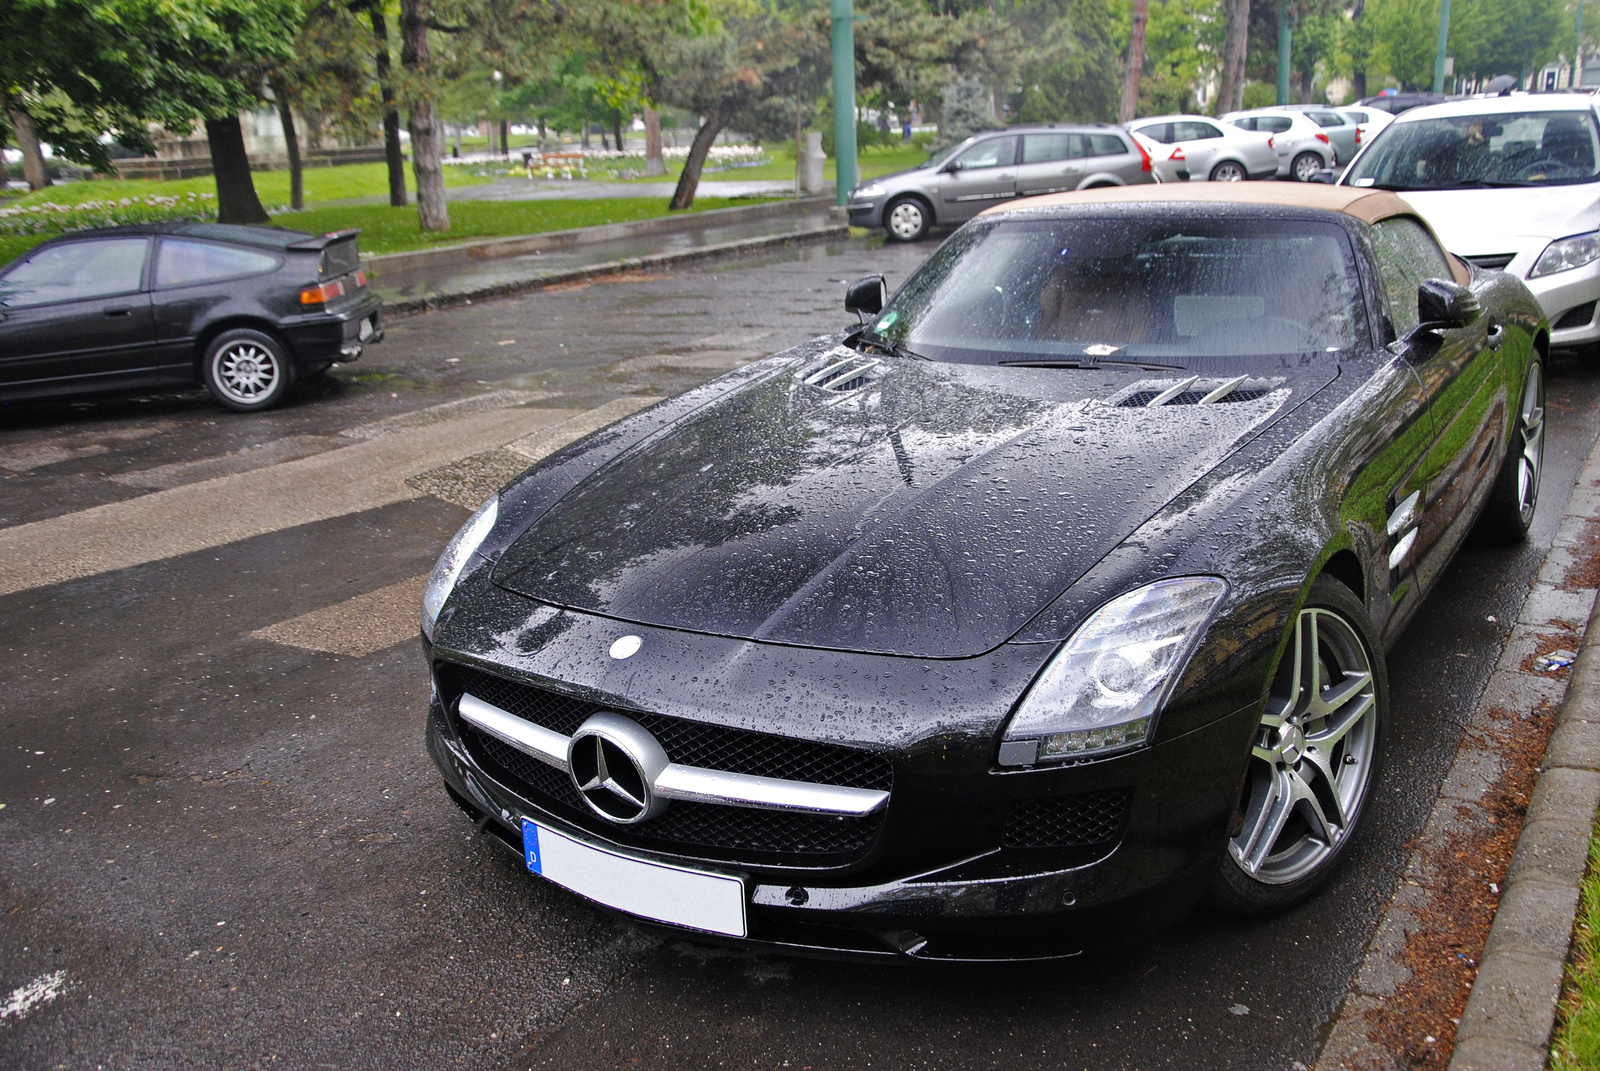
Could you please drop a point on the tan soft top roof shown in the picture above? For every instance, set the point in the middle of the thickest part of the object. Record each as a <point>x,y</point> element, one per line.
<point>1366,205</point>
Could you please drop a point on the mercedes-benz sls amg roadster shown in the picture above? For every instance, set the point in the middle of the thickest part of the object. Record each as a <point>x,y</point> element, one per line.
<point>1044,602</point>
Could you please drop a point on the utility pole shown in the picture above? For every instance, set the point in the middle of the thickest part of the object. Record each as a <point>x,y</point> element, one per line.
<point>1444,43</point>
<point>844,99</point>
<point>1285,44</point>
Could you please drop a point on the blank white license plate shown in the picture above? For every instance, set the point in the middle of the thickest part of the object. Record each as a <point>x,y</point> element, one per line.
<point>366,329</point>
<point>692,898</point>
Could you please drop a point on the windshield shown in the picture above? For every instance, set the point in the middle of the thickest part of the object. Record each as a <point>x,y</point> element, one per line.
<point>1161,292</point>
<point>1529,149</point>
<point>942,155</point>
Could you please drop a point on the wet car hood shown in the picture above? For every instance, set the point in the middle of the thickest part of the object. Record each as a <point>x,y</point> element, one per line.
<point>917,508</point>
<point>1484,222</point>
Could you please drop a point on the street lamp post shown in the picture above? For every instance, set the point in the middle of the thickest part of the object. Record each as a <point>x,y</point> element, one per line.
<point>844,99</point>
<point>1285,43</point>
<point>1444,43</point>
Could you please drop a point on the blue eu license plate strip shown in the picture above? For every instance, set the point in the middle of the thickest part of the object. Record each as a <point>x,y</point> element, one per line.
<point>530,847</point>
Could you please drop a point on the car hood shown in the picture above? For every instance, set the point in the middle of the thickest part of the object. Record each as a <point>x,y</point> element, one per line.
<point>912,508</point>
<point>1484,222</point>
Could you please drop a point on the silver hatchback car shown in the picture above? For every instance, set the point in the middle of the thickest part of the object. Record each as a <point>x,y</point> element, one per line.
<point>963,180</point>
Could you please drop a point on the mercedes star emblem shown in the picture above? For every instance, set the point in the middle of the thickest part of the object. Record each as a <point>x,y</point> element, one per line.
<point>614,762</point>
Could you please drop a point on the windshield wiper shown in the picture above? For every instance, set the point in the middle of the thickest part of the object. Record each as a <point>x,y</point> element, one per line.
<point>894,349</point>
<point>1090,362</point>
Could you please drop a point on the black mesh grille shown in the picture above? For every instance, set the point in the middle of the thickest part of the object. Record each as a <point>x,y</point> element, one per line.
<point>1074,821</point>
<point>704,829</point>
<point>1578,316</point>
<point>1493,261</point>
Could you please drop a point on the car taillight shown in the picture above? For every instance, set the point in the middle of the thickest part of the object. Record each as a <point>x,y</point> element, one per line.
<point>1143,156</point>
<point>361,278</point>
<point>321,295</point>
<point>1177,154</point>
<point>1358,135</point>
<point>1323,138</point>
<point>1272,142</point>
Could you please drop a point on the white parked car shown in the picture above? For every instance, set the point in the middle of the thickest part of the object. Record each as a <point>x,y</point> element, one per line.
<point>1509,183</point>
<point>1198,148</point>
<point>1369,121</point>
<point>1303,147</point>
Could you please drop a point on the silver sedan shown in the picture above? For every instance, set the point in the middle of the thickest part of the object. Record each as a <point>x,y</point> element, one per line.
<point>1198,148</point>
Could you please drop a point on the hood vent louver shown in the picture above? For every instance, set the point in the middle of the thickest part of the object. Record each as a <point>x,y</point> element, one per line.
<point>841,372</point>
<point>1157,394</point>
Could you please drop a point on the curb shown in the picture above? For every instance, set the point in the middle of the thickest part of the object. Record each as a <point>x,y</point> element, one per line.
<point>430,302</point>
<point>521,245</point>
<point>1511,1006</point>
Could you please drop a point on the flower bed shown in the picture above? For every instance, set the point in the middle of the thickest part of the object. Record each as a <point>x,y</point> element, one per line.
<point>56,219</point>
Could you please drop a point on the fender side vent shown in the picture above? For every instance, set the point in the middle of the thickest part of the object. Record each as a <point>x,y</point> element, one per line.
<point>842,373</point>
<point>1156,394</point>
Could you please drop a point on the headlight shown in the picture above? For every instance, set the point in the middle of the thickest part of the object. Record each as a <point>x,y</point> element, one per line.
<point>1564,254</point>
<point>448,568</point>
<point>1101,691</point>
<point>871,189</point>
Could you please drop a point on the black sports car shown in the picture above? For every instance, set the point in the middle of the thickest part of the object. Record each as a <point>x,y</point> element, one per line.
<point>1050,599</point>
<point>243,310</point>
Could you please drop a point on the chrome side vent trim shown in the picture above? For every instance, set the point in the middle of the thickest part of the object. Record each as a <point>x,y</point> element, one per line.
<point>1192,390</point>
<point>844,371</point>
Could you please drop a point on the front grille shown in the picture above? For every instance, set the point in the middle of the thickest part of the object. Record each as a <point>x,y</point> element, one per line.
<point>1578,316</point>
<point>707,830</point>
<point>1492,261</point>
<point>1075,821</point>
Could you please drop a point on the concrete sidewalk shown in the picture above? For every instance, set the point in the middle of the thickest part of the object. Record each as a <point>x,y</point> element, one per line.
<point>438,278</point>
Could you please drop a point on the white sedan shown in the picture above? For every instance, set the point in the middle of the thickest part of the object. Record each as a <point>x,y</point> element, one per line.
<point>1199,148</point>
<point>1508,183</point>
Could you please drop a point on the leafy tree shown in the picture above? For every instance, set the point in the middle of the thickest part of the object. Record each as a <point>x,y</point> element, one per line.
<point>1069,66</point>
<point>1404,34</point>
<point>966,110</point>
<point>1182,44</point>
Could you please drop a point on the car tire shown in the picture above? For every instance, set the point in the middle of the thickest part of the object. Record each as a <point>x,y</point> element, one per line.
<point>1314,759</point>
<point>1229,171</point>
<point>906,220</point>
<point>1508,513</point>
<point>1305,165</point>
<point>248,370</point>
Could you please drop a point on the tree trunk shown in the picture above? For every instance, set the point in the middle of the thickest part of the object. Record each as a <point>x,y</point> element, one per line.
<point>505,138</point>
<point>584,142</point>
<point>236,191</point>
<point>699,149</point>
<point>1235,50</point>
<point>1358,58</point>
<point>291,146</point>
<point>433,213</point>
<point>1130,82</point>
<point>33,168</point>
<point>616,130</point>
<point>1307,78</point>
<point>653,162</point>
<point>392,157</point>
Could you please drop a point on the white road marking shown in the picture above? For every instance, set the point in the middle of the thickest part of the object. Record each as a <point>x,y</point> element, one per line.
<point>212,513</point>
<point>272,452</point>
<point>24,457</point>
<point>729,340</point>
<point>546,441</point>
<point>452,410</point>
<point>356,627</point>
<point>36,994</point>
<point>719,360</point>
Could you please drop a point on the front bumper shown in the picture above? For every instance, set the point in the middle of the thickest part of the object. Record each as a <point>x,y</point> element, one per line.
<point>867,214</point>
<point>944,879</point>
<point>1568,299</point>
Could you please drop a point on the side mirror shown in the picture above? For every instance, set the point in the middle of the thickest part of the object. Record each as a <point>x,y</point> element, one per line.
<point>1326,175</point>
<point>1445,305</point>
<point>952,167</point>
<point>867,296</point>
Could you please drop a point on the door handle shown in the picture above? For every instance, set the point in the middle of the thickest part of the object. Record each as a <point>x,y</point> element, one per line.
<point>120,310</point>
<point>1496,335</point>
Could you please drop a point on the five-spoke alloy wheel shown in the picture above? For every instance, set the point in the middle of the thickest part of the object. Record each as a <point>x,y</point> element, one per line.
<point>248,370</point>
<point>1315,756</point>
<point>1508,514</point>
<point>1229,171</point>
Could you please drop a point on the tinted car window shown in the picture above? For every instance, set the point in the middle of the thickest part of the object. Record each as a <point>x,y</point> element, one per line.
<point>1327,119</point>
<point>1042,148</point>
<point>1528,149</point>
<point>996,152</point>
<point>1161,132</point>
<point>1274,124</point>
<point>1358,116</point>
<point>1192,130</point>
<point>76,271</point>
<point>180,263</point>
<point>1174,291</point>
<point>1107,145</point>
<point>1407,254</point>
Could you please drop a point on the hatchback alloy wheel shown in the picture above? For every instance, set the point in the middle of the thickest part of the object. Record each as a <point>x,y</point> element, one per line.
<point>1228,171</point>
<point>1313,757</point>
<point>246,372</point>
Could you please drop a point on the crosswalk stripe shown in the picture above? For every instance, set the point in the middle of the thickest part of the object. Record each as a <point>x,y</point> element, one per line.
<point>355,627</point>
<point>212,513</point>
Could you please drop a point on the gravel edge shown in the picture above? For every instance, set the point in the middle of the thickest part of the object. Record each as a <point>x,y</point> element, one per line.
<point>450,299</point>
<point>1511,1009</point>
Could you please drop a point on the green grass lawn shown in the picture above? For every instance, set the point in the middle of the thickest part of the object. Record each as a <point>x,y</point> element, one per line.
<point>1577,1043</point>
<point>393,230</point>
<point>871,161</point>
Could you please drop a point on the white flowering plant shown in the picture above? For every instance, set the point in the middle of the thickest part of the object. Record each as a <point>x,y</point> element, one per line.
<point>49,218</point>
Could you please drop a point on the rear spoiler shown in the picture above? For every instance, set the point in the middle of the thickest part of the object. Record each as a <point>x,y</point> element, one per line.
<point>323,241</point>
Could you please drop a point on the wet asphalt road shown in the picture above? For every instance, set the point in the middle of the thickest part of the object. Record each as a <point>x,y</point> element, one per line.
<point>222,850</point>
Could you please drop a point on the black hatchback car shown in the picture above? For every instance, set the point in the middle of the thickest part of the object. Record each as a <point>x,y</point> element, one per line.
<point>244,310</point>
